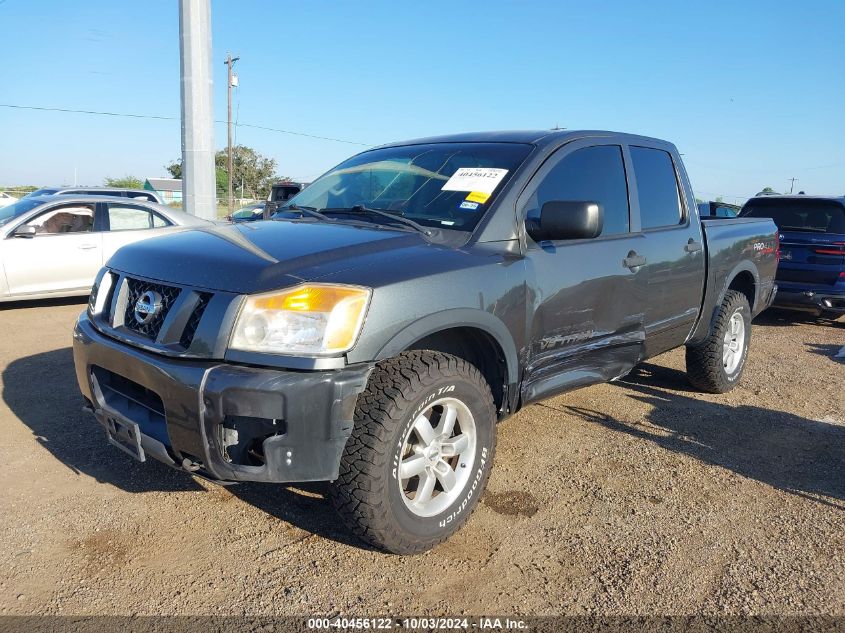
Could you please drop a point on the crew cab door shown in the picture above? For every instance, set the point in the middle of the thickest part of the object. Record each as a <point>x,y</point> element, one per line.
<point>673,247</point>
<point>64,254</point>
<point>586,297</point>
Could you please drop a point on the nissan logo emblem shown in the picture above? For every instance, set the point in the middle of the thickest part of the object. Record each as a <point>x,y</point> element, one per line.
<point>147,307</point>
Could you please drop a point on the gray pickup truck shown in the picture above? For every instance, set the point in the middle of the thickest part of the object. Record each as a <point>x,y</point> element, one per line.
<point>413,297</point>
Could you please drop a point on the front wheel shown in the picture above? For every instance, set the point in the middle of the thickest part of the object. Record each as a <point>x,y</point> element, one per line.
<point>716,364</point>
<point>420,453</point>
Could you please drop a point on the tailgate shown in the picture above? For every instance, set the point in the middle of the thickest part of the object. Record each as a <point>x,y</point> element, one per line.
<point>811,258</point>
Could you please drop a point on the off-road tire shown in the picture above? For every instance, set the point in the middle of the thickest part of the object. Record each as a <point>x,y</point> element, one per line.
<point>367,494</point>
<point>705,368</point>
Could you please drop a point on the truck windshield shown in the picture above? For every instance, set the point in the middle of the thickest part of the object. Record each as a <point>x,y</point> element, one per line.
<point>443,185</point>
<point>792,214</point>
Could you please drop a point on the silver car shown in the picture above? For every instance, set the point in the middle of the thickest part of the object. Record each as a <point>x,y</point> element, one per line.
<point>53,246</point>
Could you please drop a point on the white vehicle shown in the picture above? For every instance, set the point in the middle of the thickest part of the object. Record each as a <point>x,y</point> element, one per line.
<point>6,199</point>
<point>53,246</point>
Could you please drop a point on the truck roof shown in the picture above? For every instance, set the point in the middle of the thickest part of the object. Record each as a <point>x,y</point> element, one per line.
<point>534,137</point>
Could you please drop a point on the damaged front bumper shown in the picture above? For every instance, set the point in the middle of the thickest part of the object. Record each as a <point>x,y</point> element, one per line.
<point>222,421</point>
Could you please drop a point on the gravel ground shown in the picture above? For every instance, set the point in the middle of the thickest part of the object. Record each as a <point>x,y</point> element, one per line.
<point>641,497</point>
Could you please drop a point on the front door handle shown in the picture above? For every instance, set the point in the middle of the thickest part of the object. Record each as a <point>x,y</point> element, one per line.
<point>87,247</point>
<point>633,260</point>
<point>692,246</point>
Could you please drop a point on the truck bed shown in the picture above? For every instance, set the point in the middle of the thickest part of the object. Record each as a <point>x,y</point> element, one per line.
<point>743,247</point>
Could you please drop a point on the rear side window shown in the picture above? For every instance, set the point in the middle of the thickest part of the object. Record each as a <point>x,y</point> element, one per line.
<point>595,174</point>
<point>284,193</point>
<point>660,201</point>
<point>123,217</point>
<point>725,212</point>
<point>790,214</point>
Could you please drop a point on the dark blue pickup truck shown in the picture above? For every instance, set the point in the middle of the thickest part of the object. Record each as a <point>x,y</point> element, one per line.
<point>811,274</point>
<point>409,300</point>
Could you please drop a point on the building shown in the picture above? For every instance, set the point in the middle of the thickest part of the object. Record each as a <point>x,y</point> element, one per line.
<point>170,189</point>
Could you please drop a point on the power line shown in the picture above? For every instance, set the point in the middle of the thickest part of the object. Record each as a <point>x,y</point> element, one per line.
<point>118,114</point>
<point>173,118</point>
<point>322,138</point>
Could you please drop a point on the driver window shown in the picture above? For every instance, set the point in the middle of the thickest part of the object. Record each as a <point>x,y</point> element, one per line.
<point>596,174</point>
<point>75,218</point>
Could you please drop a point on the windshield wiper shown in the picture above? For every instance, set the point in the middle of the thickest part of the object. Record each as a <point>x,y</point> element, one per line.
<point>309,211</point>
<point>396,217</point>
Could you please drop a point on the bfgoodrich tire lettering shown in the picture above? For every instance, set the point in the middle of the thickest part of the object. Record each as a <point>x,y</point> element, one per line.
<point>372,493</point>
<point>716,364</point>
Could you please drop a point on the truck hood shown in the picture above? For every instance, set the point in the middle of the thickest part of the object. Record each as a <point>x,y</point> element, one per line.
<point>261,256</point>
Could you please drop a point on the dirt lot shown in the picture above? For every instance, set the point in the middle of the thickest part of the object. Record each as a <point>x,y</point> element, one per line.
<point>642,497</point>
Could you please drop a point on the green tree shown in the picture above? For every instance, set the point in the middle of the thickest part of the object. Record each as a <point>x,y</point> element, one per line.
<point>222,179</point>
<point>175,168</point>
<point>254,173</point>
<point>768,190</point>
<point>127,182</point>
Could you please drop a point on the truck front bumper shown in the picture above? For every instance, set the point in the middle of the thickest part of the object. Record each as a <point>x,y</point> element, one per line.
<point>223,421</point>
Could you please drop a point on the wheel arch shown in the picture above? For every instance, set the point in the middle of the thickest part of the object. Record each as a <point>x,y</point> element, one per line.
<point>744,281</point>
<point>743,277</point>
<point>474,335</point>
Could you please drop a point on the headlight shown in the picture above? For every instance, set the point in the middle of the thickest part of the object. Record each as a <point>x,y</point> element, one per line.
<point>308,319</point>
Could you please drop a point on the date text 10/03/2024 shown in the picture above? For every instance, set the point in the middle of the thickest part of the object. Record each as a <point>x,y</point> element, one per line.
<point>413,623</point>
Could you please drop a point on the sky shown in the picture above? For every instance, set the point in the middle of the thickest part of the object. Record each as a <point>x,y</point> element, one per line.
<point>752,92</point>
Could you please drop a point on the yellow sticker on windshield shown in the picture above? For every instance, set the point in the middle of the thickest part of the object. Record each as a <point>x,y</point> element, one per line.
<point>477,196</point>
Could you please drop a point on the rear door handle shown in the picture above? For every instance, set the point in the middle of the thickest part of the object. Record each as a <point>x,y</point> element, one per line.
<point>633,260</point>
<point>693,246</point>
<point>87,247</point>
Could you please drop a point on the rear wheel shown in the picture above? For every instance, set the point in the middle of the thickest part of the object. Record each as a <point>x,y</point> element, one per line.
<point>420,454</point>
<point>716,364</point>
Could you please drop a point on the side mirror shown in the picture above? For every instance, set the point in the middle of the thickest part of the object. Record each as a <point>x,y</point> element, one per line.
<point>567,220</point>
<point>24,230</point>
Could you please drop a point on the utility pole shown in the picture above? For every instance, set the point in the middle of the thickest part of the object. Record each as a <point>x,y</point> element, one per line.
<point>230,61</point>
<point>198,182</point>
<point>792,184</point>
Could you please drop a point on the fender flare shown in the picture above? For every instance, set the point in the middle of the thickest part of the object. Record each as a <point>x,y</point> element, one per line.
<point>700,332</point>
<point>457,317</point>
<point>743,266</point>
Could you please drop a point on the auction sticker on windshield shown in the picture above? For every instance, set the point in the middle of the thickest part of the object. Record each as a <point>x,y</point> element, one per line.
<point>480,179</point>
